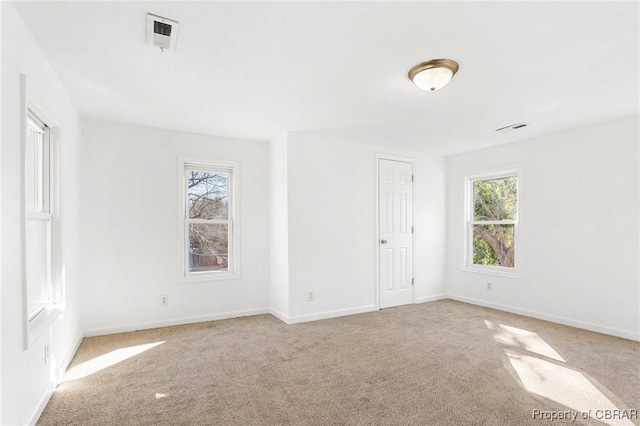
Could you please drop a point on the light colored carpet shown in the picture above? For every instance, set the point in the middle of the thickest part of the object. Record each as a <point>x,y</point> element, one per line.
<point>438,363</point>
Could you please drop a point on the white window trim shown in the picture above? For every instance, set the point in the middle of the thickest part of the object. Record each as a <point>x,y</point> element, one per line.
<point>34,327</point>
<point>468,265</point>
<point>184,276</point>
<point>45,215</point>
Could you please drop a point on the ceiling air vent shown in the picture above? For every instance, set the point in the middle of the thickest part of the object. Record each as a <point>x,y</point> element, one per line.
<point>162,32</point>
<point>511,127</point>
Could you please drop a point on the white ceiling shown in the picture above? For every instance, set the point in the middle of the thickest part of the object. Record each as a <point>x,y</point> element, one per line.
<point>255,70</point>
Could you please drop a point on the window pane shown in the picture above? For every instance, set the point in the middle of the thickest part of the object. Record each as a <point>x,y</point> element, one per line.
<point>493,245</point>
<point>208,247</point>
<point>37,259</point>
<point>208,194</point>
<point>34,163</point>
<point>495,199</point>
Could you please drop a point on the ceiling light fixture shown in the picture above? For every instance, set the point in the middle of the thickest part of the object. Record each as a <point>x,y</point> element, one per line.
<point>434,74</point>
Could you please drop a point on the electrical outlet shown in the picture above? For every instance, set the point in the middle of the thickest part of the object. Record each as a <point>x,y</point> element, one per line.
<point>46,354</point>
<point>310,296</point>
<point>164,299</point>
<point>488,286</point>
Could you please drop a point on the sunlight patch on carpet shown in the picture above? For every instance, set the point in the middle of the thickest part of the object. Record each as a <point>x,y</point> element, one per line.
<point>105,361</point>
<point>524,339</point>
<point>542,373</point>
<point>563,385</point>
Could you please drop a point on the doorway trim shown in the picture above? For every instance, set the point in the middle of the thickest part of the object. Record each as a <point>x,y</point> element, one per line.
<point>412,161</point>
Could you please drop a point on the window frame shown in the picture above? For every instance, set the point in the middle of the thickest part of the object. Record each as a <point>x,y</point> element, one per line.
<point>469,222</point>
<point>42,213</point>
<point>40,320</point>
<point>233,271</point>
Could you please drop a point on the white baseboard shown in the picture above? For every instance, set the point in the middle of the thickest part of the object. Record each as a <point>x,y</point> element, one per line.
<point>282,317</point>
<point>178,321</point>
<point>324,315</point>
<point>552,318</point>
<point>60,369</point>
<point>433,298</point>
<point>46,396</point>
<point>64,364</point>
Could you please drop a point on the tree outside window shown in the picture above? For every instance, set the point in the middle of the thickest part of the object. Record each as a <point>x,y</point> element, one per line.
<point>208,220</point>
<point>493,220</point>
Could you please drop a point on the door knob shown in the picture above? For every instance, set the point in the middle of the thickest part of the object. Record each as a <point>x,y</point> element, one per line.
<point>383,241</point>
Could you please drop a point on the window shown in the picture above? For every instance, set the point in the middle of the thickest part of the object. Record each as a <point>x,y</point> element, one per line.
<point>39,217</point>
<point>492,221</point>
<point>208,214</point>
<point>43,283</point>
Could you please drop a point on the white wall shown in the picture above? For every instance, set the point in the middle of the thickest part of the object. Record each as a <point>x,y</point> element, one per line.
<point>1,198</point>
<point>578,246</point>
<point>430,228</point>
<point>332,225</point>
<point>132,248</point>
<point>279,228</point>
<point>25,377</point>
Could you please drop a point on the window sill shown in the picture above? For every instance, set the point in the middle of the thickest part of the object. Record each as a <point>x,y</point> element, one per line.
<point>211,276</point>
<point>498,272</point>
<point>42,322</point>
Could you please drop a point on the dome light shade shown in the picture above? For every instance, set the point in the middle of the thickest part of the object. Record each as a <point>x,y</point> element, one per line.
<point>433,75</point>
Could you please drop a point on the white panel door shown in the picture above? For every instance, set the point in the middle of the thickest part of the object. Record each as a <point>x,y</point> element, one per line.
<point>396,232</point>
